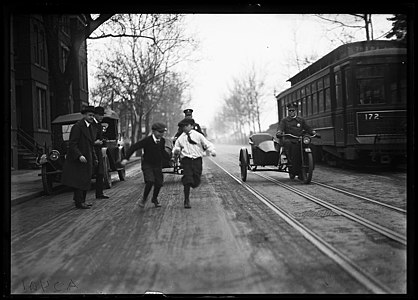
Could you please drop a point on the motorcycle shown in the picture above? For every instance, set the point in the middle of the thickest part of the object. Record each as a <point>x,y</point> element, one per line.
<point>304,152</point>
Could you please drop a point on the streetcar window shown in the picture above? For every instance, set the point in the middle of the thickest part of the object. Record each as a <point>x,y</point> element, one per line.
<point>370,84</point>
<point>320,84</point>
<point>369,72</point>
<point>321,101</point>
<point>314,103</point>
<point>303,108</point>
<point>371,91</point>
<point>309,105</point>
<point>313,87</point>
<point>327,99</point>
<point>338,89</point>
<point>397,85</point>
<point>326,81</point>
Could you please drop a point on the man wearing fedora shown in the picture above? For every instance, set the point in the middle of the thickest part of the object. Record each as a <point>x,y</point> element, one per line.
<point>98,144</point>
<point>152,161</point>
<point>81,157</point>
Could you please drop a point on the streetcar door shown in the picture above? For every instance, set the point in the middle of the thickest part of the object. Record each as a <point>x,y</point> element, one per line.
<point>340,107</point>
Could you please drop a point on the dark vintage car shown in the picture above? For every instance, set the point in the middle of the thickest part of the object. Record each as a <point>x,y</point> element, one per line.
<point>53,161</point>
<point>172,165</point>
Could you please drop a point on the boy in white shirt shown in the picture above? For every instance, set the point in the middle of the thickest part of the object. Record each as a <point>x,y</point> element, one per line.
<point>191,145</point>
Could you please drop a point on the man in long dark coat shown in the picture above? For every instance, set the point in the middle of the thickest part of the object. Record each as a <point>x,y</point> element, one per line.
<point>81,158</point>
<point>98,144</point>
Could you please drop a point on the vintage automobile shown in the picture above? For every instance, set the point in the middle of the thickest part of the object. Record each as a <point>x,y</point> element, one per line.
<point>52,162</point>
<point>266,151</point>
<point>173,165</point>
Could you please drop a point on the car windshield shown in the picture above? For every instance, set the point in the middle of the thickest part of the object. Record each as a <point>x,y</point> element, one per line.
<point>66,129</point>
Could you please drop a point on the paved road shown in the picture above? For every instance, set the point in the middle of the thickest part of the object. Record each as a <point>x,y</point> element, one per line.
<point>228,243</point>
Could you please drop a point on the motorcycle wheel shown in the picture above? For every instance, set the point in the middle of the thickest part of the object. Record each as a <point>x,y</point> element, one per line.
<point>243,163</point>
<point>307,168</point>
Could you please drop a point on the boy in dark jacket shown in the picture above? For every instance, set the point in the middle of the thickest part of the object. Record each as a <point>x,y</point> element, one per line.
<point>152,160</point>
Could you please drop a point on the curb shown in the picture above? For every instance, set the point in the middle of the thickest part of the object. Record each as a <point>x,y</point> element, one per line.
<point>29,196</point>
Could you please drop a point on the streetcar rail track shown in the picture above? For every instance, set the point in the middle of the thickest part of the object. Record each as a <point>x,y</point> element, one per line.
<point>395,236</point>
<point>351,194</point>
<point>363,277</point>
<point>360,197</point>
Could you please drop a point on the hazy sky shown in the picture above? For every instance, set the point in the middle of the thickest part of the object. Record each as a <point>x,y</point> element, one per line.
<point>231,43</point>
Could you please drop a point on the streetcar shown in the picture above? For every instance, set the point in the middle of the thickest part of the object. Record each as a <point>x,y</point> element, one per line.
<point>355,97</point>
<point>52,161</point>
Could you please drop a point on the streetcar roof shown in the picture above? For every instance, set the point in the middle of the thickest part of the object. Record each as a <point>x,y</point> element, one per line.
<point>350,50</point>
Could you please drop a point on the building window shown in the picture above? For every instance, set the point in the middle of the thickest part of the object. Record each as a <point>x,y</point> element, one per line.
<point>83,76</point>
<point>41,108</point>
<point>65,25</point>
<point>64,57</point>
<point>39,46</point>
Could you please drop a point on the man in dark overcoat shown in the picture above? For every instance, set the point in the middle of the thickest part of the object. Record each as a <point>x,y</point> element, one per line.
<point>81,158</point>
<point>98,144</point>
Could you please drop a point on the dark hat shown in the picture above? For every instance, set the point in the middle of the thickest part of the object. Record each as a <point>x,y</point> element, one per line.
<point>99,110</point>
<point>188,111</point>
<point>87,109</point>
<point>159,126</point>
<point>292,105</point>
<point>186,121</point>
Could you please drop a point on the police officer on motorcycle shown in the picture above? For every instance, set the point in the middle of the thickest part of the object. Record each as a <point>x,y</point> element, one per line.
<point>297,126</point>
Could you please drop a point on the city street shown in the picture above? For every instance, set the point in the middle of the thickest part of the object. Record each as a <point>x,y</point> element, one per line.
<point>266,236</point>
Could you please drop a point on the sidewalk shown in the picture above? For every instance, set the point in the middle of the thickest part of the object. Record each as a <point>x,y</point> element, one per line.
<point>26,184</point>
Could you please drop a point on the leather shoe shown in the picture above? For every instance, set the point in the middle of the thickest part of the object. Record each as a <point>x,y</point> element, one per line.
<point>141,203</point>
<point>89,204</point>
<point>83,206</point>
<point>102,197</point>
<point>187,204</point>
<point>156,203</point>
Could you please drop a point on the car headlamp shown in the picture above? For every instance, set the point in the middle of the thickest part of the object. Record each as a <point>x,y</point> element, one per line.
<point>43,159</point>
<point>54,155</point>
<point>306,140</point>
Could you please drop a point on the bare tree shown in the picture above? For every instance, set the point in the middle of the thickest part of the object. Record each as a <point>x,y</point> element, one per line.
<point>349,22</point>
<point>136,72</point>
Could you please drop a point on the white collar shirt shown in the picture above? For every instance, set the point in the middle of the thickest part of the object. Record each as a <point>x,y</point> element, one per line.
<point>193,150</point>
<point>155,139</point>
<point>87,123</point>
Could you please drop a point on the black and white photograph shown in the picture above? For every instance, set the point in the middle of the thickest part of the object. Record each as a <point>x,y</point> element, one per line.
<point>236,151</point>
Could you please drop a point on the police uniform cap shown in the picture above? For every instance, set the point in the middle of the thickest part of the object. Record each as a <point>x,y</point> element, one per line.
<point>186,121</point>
<point>99,110</point>
<point>188,111</point>
<point>159,127</point>
<point>87,109</point>
<point>292,105</point>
